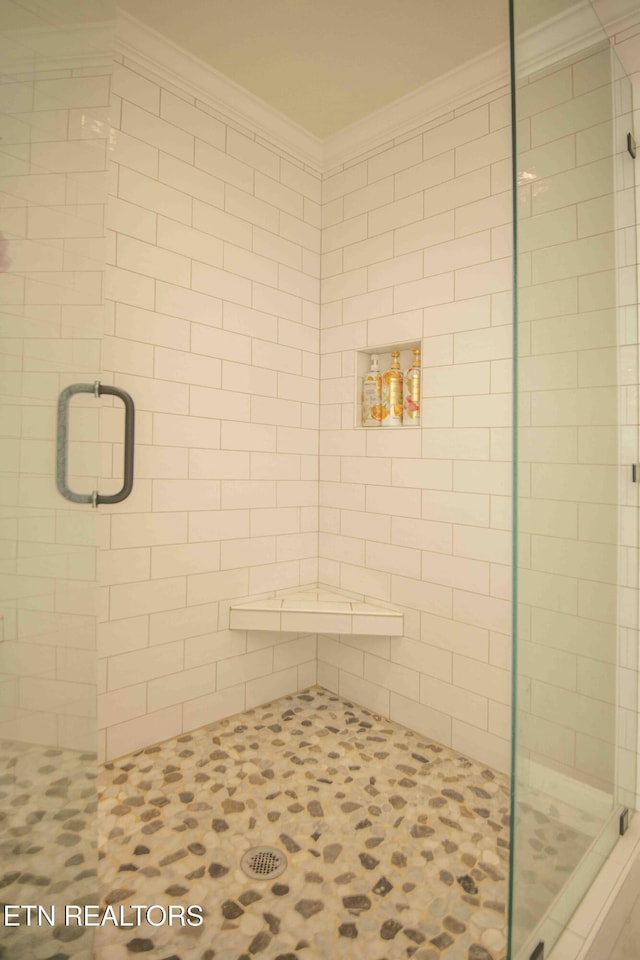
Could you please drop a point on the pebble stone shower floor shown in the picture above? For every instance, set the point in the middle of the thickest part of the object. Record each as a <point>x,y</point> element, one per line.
<point>397,846</point>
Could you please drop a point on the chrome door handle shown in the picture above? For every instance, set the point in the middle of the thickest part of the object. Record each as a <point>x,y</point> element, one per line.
<point>62,445</point>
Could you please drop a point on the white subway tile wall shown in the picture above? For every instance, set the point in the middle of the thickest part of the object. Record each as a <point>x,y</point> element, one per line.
<point>55,129</point>
<point>215,332</point>
<point>416,518</point>
<point>578,506</point>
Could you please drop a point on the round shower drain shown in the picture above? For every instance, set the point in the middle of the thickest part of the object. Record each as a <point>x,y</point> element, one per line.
<point>263,863</point>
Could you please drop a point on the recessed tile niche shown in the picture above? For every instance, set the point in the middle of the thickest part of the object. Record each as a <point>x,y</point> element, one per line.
<point>383,352</point>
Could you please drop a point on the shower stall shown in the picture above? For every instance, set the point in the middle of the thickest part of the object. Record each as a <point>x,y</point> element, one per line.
<point>171,240</point>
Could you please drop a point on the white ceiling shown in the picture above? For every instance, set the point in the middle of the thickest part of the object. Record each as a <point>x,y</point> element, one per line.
<point>327,63</point>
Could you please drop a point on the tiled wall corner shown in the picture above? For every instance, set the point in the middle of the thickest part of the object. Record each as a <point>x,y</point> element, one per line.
<point>214,330</point>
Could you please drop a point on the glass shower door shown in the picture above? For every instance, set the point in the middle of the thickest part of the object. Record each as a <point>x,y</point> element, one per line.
<point>55,65</point>
<point>575,650</point>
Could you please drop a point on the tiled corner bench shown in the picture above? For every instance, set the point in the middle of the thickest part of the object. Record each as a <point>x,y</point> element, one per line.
<point>316,610</point>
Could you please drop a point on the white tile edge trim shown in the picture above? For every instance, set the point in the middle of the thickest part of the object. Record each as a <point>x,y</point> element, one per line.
<point>617,885</point>
<point>351,615</point>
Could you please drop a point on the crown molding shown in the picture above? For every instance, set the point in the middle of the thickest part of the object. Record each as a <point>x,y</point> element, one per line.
<point>450,91</point>
<point>568,34</point>
<point>54,46</point>
<point>560,38</point>
<point>573,31</point>
<point>616,16</point>
<point>166,59</point>
<point>475,79</point>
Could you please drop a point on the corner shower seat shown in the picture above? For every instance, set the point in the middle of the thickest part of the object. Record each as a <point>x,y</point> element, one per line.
<point>316,610</point>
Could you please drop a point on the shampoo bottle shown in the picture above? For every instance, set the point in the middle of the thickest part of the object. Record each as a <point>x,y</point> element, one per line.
<point>371,395</point>
<point>392,393</point>
<point>411,401</point>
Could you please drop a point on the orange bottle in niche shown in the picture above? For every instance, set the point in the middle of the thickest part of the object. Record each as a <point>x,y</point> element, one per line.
<point>392,393</point>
